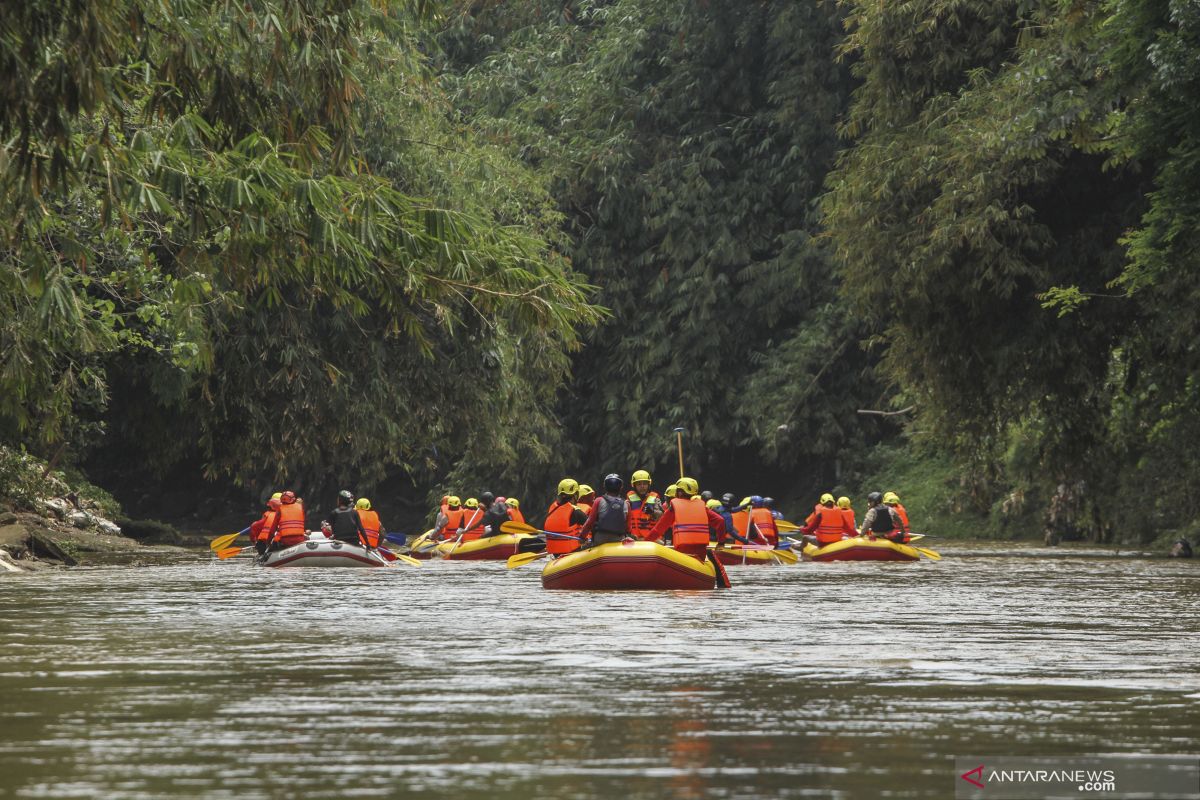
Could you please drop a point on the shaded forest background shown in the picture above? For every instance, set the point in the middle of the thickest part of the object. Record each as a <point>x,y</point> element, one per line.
<point>420,246</point>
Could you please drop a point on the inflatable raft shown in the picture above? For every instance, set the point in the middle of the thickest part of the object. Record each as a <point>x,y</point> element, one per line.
<point>423,546</point>
<point>493,548</point>
<point>738,556</point>
<point>629,565</point>
<point>321,552</point>
<point>861,549</point>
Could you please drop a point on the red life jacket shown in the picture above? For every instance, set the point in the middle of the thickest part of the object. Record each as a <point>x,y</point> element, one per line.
<point>472,524</point>
<point>559,521</point>
<point>690,529</point>
<point>764,522</point>
<point>291,524</point>
<point>371,526</point>
<point>639,521</point>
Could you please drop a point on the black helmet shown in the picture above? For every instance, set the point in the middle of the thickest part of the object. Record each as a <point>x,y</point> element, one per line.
<point>727,499</point>
<point>345,496</point>
<point>706,495</point>
<point>486,498</point>
<point>613,483</point>
<point>768,502</point>
<point>874,498</point>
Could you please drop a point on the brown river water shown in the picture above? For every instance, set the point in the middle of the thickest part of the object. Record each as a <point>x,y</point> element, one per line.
<point>465,680</point>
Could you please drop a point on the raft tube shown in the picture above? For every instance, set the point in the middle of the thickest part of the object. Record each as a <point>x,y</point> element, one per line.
<point>319,551</point>
<point>493,548</point>
<point>629,565</point>
<point>738,556</point>
<point>861,549</point>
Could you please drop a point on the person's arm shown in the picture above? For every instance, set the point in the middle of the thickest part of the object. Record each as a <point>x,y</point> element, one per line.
<point>868,521</point>
<point>578,517</point>
<point>810,524</point>
<point>590,522</point>
<point>663,525</point>
<point>716,524</point>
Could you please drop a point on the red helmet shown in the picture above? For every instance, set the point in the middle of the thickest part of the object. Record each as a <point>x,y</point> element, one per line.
<point>273,504</point>
<point>288,497</point>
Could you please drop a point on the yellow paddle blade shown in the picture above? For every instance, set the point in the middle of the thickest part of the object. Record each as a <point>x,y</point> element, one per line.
<point>521,559</point>
<point>229,552</point>
<point>517,527</point>
<point>785,556</point>
<point>932,555</point>
<point>787,527</point>
<point>223,542</point>
<point>406,559</point>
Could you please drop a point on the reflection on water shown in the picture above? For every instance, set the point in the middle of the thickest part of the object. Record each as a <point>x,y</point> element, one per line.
<point>465,680</point>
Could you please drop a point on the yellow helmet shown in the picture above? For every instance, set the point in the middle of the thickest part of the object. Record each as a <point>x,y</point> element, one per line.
<point>277,496</point>
<point>670,491</point>
<point>568,486</point>
<point>890,498</point>
<point>640,475</point>
<point>843,502</point>
<point>513,502</point>
<point>826,498</point>
<point>472,503</point>
<point>453,500</point>
<point>363,504</point>
<point>745,502</point>
<point>585,489</point>
<point>688,485</point>
<point>714,504</point>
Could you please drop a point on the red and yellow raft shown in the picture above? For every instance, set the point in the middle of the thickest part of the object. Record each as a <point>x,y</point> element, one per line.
<point>860,548</point>
<point>493,548</point>
<point>738,555</point>
<point>629,565</point>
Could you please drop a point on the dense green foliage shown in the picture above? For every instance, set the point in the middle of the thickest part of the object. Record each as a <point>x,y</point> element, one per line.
<point>356,240</point>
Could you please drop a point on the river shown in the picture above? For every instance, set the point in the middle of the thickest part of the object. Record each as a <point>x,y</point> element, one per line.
<point>215,679</point>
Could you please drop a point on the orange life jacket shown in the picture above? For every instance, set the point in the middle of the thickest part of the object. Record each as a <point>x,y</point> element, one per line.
<point>516,516</point>
<point>454,521</point>
<point>764,521</point>
<point>830,522</point>
<point>741,523</point>
<point>472,524</point>
<point>848,515</point>
<point>559,521</point>
<point>639,521</point>
<point>371,526</point>
<point>291,521</point>
<point>690,528</point>
<point>261,527</point>
<point>903,516</point>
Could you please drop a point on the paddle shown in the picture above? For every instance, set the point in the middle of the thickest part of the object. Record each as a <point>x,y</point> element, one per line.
<point>784,556</point>
<point>394,556</point>
<point>787,527</point>
<point>521,559</point>
<point>223,542</point>
<point>230,552</point>
<point>520,527</point>
<point>932,555</point>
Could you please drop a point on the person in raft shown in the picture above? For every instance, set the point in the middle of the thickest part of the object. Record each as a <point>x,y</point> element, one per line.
<point>262,526</point>
<point>344,523</point>
<point>892,499</point>
<point>690,522</point>
<point>472,522</point>
<point>882,520</point>
<point>514,510</point>
<point>644,505</point>
<point>449,518</point>
<point>564,517</point>
<point>495,514</point>
<point>287,529</point>
<point>827,523</point>
<point>373,530</point>
<point>606,522</point>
